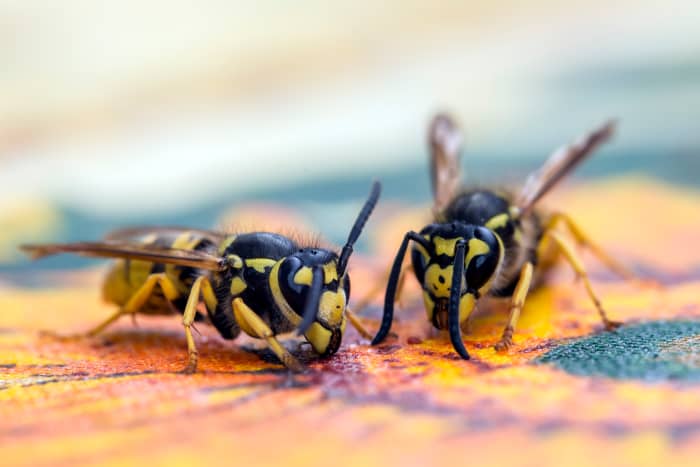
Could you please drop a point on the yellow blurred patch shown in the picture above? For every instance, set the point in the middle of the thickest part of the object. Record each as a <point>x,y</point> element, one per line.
<point>25,221</point>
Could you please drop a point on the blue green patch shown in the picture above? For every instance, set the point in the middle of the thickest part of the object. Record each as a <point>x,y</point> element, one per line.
<point>654,351</point>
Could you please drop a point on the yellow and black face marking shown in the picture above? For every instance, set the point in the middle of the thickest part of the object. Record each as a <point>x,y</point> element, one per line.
<point>455,264</point>
<point>307,285</point>
<point>260,283</point>
<point>485,242</point>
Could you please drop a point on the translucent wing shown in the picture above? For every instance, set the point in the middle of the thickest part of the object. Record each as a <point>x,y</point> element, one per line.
<point>133,233</point>
<point>560,163</point>
<point>114,249</point>
<point>445,141</point>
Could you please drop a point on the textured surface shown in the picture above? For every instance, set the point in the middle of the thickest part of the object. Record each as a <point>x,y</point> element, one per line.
<point>117,399</point>
<point>655,351</point>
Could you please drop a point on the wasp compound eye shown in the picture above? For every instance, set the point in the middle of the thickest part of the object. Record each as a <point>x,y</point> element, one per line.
<point>484,257</point>
<point>482,233</point>
<point>294,280</point>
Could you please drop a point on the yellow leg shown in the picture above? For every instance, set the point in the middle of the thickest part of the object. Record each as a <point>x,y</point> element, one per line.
<point>519,295</point>
<point>263,331</point>
<point>466,325</point>
<point>577,265</point>
<point>188,319</point>
<point>379,288</point>
<point>585,241</point>
<point>357,324</point>
<point>137,300</point>
<point>103,325</point>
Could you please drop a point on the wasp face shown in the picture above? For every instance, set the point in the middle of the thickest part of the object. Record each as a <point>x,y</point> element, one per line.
<point>309,280</point>
<point>434,267</point>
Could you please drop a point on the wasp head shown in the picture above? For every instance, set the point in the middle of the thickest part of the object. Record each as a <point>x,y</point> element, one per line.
<point>315,290</point>
<point>434,259</point>
<point>315,284</point>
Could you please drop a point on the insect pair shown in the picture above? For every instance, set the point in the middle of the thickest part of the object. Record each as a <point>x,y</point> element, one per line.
<point>482,242</point>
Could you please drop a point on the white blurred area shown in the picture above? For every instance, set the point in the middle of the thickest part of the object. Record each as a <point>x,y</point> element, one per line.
<point>113,106</point>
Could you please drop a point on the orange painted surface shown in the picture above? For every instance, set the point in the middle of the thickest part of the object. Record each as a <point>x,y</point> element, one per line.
<point>117,399</point>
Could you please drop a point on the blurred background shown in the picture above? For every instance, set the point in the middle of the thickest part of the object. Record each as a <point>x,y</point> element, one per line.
<point>166,112</point>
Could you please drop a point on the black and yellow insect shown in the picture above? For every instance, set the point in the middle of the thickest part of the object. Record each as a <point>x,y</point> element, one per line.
<point>261,283</point>
<point>486,242</point>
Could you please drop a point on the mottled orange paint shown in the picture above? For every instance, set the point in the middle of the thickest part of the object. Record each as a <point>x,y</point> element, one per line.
<point>117,400</point>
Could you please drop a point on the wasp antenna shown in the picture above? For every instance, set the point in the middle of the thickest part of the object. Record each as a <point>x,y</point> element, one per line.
<point>358,226</point>
<point>392,285</point>
<point>312,301</point>
<point>455,295</point>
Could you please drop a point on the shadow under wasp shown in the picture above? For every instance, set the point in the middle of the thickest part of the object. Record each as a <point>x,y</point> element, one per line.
<point>488,242</point>
<point>261,283</point>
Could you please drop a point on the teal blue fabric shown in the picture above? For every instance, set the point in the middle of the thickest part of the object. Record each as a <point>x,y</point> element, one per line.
<point>653,351</point>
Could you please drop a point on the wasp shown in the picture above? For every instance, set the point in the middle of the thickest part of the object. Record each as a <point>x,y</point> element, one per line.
<point>261,283</point>
<point>488,242</point>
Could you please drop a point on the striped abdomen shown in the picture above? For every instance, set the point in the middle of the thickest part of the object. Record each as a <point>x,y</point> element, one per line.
<point>126,278</point>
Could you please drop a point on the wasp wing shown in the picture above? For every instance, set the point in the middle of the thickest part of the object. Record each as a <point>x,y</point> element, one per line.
<point>559,164</point>
<point>133,233</point>
<point>155,254</point>
<point>445,142</point>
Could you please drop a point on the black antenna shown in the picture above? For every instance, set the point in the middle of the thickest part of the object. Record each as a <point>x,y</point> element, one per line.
<point>390,295</point>
<point>357,228</point>
<point>453,307</point>
<point>312,300</point>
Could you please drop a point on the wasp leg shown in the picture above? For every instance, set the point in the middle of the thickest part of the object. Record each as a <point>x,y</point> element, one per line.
<point>357,324</point>
<point>466,325</point>
<point>188,321</point>
<point>201,286</point>
<point>577,265</point>
<point>254,322</point>
<point>379,288</point>
<point>519,295</point>
<point>137,300</point>
<point>585,241</point>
